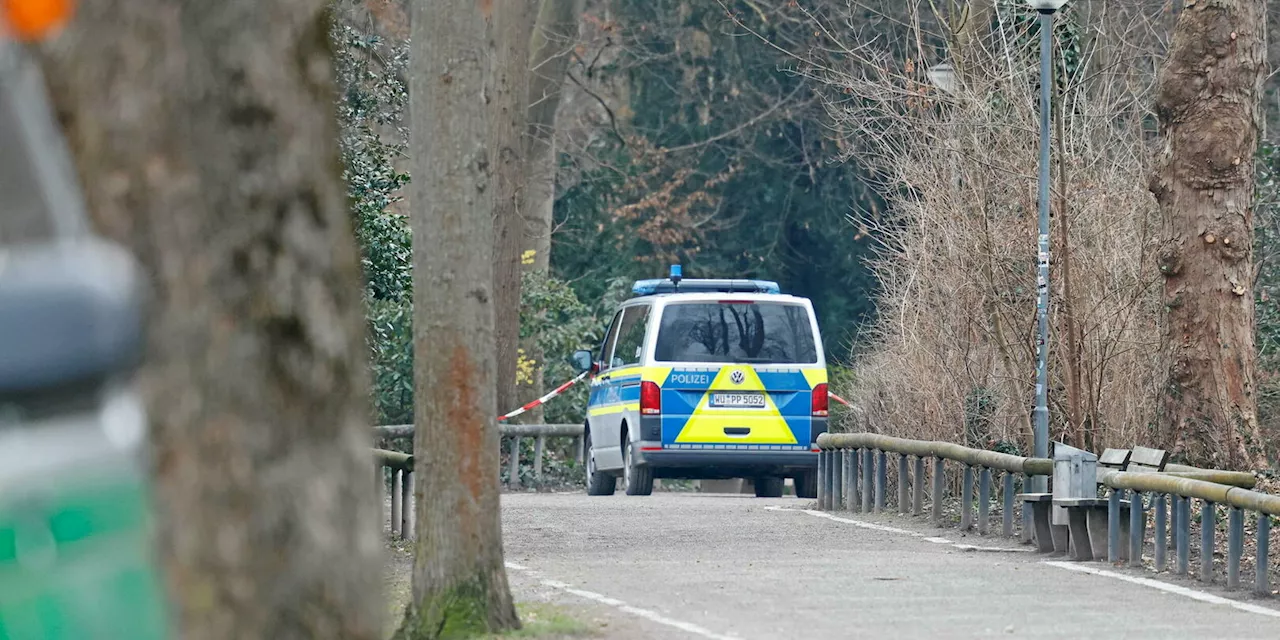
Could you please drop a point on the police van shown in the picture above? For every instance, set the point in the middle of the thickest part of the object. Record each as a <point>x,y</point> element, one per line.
<point>706,379</point>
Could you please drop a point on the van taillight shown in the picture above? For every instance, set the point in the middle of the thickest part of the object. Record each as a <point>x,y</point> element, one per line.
<point>650,398</point>
<point>820,400</point>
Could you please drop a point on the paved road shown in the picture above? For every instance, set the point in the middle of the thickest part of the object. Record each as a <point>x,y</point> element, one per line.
<point>721,566</point>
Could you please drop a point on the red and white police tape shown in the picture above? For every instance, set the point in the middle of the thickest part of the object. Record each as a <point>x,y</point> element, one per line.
<point>561,389</point>
<point>554,392</point>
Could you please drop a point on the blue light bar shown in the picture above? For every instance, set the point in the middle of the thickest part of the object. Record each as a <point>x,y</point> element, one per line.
<point>656,286</point>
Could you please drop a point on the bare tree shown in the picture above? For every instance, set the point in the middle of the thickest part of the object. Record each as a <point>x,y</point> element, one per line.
<point>205,137</point>
<point>954,154</point>
<point>459,582</point>
<point>1209,109</point>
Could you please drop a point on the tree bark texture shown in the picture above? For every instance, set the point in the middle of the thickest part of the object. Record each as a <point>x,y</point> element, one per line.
<point>510,26</point>
<point>205,136</point>
<point>459,582</point>
<point>1208,106</point>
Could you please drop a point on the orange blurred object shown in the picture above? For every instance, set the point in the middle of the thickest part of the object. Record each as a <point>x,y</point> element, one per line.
<point>33,19</point>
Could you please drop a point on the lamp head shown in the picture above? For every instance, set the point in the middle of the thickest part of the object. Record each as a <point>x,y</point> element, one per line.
<point>1046,6</point>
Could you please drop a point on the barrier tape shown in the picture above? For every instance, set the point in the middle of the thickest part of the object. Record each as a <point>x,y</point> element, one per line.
<point>554,392</point>
<point>838,399</point>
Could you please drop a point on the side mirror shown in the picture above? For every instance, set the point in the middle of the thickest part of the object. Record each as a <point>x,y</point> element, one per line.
<point>582,360</point>
<point>71,312</point>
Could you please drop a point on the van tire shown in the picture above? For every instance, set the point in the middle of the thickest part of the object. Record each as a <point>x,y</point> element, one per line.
<point>637,478</point>
<point>598,482</point>
<point>807,485</point>
<point>769,487</point>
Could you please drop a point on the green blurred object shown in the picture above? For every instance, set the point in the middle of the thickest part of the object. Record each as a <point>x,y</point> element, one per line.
<point>75,560</point>
<point>75,522</point>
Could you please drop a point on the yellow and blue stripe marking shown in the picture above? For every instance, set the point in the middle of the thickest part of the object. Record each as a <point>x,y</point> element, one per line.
<point>688,421</point>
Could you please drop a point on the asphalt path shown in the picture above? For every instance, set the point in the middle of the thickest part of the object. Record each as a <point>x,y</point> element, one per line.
<point>681,565</point>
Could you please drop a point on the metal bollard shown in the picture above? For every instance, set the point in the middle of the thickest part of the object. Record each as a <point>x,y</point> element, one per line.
<point>380,486</point>
<point>966,499</point>
<point>513,464</point>
<point>904,478</point>
<point>1028,526</point>
<point>395,503</point>
<point>538,446</point>
<point>984,499</point>
<point>1182,525</point>
<point>868,470</point>
<point>1174,522</point>
<point>409,507</point>
<point>939,488</point>
<point>917,498</point>
<point>851,479</point>
<point>1207,529</point>
<point>1162,530</point>
<point>882,478</point>
<point>822,479</point>
<point>1006,513</point>
<point>1137,526</point>
<point>1113,525</point>
<point>833,464</point>
<point>1235,546</point>
<point>1261,585</point>
<point>837,480</point>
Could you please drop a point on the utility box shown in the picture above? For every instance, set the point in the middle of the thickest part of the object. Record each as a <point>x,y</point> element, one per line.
<point>1075,475</point>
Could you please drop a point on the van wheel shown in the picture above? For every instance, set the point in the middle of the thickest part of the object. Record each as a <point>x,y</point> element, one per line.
<point>598,483</point>
<point>638,479</point>
<point>807,485</point>
<point>769,487</point>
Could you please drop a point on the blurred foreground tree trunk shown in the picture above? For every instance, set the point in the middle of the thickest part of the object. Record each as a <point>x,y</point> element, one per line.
<point>459,582</point>
<point>204,134</point>
<point>1208,105</point>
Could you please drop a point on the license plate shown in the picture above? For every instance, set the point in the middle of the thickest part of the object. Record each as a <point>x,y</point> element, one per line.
<point>747,400</point>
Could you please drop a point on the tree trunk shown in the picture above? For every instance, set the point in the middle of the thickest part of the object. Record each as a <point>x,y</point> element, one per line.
<point>509,29</point>
<point>205,137</point>
<point>459,583</point>
<point>1208,105</point>
<point>554,36</point>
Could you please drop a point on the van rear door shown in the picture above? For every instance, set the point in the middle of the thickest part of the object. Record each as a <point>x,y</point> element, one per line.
<point>742,373</point>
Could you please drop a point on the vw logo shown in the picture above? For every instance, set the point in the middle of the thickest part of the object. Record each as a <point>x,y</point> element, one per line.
<point>737,377</point>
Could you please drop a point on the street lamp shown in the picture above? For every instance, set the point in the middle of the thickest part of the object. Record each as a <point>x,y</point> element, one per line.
<point>1046,8</point>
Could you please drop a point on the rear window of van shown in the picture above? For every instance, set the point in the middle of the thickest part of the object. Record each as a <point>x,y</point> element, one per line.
<point>747,332</point>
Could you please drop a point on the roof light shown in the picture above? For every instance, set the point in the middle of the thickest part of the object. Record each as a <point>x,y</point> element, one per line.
<point>651,287</point>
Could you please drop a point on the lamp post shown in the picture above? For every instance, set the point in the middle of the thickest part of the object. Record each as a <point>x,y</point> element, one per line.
<point>1046,9</point>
